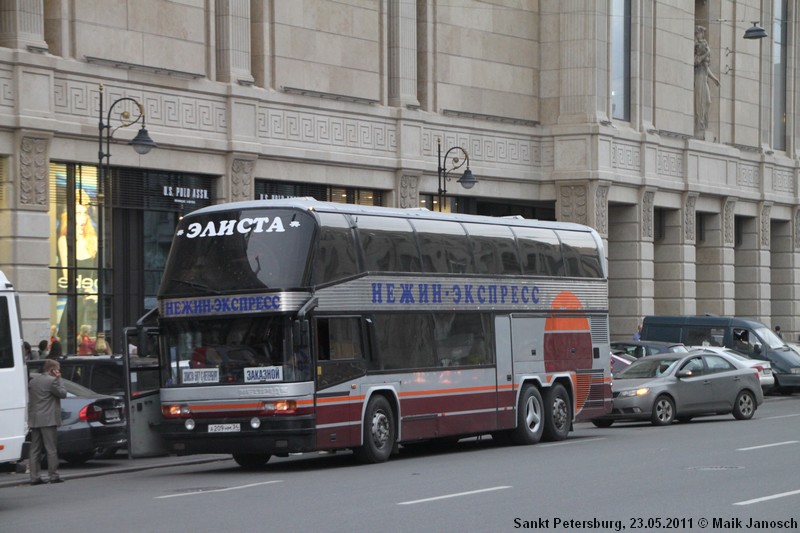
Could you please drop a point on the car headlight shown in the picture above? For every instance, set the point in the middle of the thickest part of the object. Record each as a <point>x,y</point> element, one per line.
<point>634,392</point>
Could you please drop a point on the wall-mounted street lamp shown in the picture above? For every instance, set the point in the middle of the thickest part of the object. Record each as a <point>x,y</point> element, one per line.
<point>142,144</point>
<point>756,32</point>
<point>468,180</point>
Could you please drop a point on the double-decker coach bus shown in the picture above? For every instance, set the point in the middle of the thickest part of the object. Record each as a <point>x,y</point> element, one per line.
<point>295,325</point>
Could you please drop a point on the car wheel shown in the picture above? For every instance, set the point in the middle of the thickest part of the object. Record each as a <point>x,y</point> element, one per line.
<point>663,411</point>
<point>379,432</point>
<point>602,423</point>
<point>251,460</point>
<point>530,422</point>
<point>558,413</point>
<point>77,458</point>
<point>745,406</point>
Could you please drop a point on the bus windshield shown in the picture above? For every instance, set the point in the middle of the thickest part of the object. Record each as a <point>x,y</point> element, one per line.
<point>231,351</point>
<point>235,252</point>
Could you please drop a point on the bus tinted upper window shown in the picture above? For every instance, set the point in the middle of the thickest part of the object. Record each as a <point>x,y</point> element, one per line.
<point>444,246</point>
<point>336,253</point>
<point>540,251</point>
<point>494,248</point>
<point>580,253</point>
<point>239,251</point>
<point>388,244</point>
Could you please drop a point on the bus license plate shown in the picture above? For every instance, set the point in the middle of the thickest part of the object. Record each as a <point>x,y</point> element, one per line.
<point>224,428</point>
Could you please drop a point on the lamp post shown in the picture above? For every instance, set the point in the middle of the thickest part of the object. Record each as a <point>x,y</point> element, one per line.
<point>142,144</point>
<point>468,180</point>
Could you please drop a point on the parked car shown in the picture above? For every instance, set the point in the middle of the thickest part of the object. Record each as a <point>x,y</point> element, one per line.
<point>641,348</point>
<point>680,386</point>
<point>620,361</point>
<point>90,423</point>
<point>104,374</point>
<point>744,335</point>
<point>764,368</point>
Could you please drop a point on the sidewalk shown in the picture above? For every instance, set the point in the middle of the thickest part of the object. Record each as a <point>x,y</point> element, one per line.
<point>117,465</point>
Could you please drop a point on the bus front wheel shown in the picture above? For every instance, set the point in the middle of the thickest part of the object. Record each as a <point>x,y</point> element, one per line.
<point>379,432</point>
<point>251,460</point>
<point>557,413</point>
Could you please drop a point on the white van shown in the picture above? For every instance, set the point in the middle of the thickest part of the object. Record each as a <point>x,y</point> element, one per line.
<point>13,376</point>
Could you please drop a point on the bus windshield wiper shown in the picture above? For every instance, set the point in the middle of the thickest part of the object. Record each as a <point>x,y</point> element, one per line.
<point>195,285</point>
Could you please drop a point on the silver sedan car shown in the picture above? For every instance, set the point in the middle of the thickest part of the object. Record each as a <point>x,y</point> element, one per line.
<point>668,387</point>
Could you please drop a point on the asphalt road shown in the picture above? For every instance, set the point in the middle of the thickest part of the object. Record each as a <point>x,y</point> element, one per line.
<point>712,474</point>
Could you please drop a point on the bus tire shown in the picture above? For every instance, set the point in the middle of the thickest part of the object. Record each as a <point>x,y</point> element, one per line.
<point>379,432</point>
<point>557,413</point>
<point>251,460</point>
<point>530,422</point>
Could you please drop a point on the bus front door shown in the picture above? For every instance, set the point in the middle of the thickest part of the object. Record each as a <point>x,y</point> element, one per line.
<point>142,393</point>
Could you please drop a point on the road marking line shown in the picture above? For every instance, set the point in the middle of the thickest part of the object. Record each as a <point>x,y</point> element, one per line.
<point>571,441</point>
<point>218,490</point>
<point>456,495</point>
<point>766,446</point>
<point>777,417</point>
<point>766,498</point>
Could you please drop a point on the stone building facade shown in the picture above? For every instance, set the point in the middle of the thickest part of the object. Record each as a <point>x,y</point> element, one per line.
<point>570,110</point>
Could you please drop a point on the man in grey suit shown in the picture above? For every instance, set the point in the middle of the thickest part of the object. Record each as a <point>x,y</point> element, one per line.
<point>44,416</point>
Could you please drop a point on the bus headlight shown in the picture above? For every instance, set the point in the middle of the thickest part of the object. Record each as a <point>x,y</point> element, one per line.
<point>189,424</point>
<point>255,423</point>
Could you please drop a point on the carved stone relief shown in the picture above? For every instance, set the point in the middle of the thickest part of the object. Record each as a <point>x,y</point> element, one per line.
<point>765,225</point>
<point>727,221</point>
<point>689,218</point>
<point>242,179</point>
<point>648,201</point>
<point>797,229</point>
<point>408,194</point>
<point>33,163</point>
<point>601,209</point>
<point>573,204</point>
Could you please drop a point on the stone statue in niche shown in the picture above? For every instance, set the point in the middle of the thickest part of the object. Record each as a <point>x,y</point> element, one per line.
<point>702,73</point>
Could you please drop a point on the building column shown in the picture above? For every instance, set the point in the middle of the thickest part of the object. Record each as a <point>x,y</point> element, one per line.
<point>22,25</point>
<point>715,260</point>
<point>263,28</point>
<point>402,54</point>
<point>25,229</point>
<point>233,41</point>
<point>674,269</point>
<point>785,275</point>
<point>752,262</point>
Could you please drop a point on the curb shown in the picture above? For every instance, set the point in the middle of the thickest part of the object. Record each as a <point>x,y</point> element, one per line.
<point>24,479</point>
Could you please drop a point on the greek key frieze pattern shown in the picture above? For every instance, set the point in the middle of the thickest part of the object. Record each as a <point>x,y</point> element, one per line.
<point>192,113</point>
<point>6,88</point>
<point>486,148</point>
<point>626,157</point>
<point>748,176</point>
<point>329,130</point>
<point>670,163</point>
<point>782,180</point>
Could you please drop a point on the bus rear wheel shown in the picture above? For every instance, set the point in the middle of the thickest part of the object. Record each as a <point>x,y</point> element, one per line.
<point>530,424</point>
<point>379,432</point>
<point>558,413</point>
<point>251,460</point>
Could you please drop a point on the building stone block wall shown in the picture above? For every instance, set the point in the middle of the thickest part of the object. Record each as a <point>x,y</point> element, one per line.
<point>355,93</point>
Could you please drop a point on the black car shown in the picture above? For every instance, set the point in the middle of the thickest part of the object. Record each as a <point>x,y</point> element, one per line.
<point>103,374</point>
<point>641,348</point>
<point>91,423</point>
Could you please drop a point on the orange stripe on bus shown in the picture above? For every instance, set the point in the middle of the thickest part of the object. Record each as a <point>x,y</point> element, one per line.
<point>566,324</point>
<point>489,388</point>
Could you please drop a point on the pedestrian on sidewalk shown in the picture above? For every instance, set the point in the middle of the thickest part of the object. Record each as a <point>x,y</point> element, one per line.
<point>45,392</point>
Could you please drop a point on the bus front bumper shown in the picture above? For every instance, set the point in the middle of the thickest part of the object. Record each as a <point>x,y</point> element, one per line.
<point>239,435</point>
